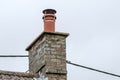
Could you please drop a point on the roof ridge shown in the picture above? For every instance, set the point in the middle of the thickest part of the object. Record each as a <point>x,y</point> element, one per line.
<point>19,74</point>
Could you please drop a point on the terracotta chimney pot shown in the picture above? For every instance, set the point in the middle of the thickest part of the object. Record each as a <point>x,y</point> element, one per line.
<point>49,20</point>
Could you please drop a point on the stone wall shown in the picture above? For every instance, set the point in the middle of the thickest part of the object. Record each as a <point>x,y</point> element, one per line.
<point>36,56</point>
<point>55,53</point>
<point>48,56</point>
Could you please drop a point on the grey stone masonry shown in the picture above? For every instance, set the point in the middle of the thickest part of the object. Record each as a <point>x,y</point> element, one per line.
<point>47,55</point>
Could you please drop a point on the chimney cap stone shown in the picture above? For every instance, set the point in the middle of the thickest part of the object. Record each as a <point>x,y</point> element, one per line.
<point>42,34</point>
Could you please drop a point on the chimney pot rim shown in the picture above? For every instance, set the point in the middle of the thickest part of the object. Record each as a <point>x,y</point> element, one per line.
<point>53,10</point>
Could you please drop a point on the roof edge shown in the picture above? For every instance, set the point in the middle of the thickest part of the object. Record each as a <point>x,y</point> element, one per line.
<point>20,74</point>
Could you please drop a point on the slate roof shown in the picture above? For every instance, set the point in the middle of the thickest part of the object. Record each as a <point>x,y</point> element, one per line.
<point>8,75</point>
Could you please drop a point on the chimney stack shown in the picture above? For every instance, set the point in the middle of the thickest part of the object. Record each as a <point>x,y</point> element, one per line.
<point>47,53</point>
<point>49,20</point>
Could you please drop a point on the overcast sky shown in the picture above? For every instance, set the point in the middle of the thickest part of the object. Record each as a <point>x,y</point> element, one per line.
<point>94,27</point>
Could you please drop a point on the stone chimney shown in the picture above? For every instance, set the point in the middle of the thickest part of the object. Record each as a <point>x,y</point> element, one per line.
<point>47,53</point>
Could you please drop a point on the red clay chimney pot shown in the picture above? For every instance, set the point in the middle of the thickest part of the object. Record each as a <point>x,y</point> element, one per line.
<point>49,20</point>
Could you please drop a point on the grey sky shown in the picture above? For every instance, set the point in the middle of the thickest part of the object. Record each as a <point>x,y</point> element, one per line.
<point>94,27</point>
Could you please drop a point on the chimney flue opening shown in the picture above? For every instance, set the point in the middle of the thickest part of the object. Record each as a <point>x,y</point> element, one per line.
<point>49,11</point>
